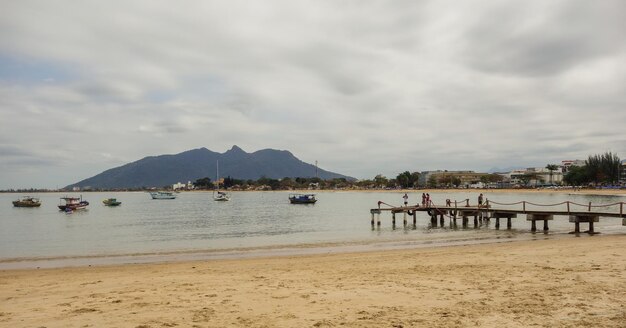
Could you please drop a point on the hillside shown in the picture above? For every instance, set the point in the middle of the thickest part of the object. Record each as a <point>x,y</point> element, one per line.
<point>159,171</point>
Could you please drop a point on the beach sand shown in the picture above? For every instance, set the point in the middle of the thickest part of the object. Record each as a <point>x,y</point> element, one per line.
<point>566,282</point>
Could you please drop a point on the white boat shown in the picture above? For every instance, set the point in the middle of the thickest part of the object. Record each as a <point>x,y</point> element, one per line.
<point>162,195</point>
<point>219,196</point>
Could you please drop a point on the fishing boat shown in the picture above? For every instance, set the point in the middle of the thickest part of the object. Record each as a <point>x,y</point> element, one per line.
<point>73,203</point>
<point>302,198</point>
<point>27,201</point>
<point>111,202</point>
<point>162,195</point>
<point>219,196</point>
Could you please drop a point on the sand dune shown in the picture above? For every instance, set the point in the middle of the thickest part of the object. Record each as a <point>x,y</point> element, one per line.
<point>570,282</point>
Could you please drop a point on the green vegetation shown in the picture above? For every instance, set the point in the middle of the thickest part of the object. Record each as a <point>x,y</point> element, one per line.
<point>598,170</point>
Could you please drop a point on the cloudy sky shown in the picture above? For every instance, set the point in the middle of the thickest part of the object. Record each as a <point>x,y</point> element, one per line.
<point>364,87</point>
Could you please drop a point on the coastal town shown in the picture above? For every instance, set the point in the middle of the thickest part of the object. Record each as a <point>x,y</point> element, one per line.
<point>551,176</point>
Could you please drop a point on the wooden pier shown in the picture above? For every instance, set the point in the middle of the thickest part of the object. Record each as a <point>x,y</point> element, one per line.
<point>577,213</point>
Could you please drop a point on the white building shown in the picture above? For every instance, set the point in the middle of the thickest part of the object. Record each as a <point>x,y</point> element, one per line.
<point>188,186</point>
<point>542,175</point>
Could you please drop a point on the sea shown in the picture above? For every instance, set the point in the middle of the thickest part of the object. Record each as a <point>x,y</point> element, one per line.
<point>194,227</point>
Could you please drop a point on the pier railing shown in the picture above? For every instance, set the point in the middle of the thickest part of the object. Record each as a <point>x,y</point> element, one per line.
<point>452,209</point>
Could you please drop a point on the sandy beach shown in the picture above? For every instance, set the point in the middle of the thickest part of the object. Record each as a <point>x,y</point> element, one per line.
<point>568,282</point>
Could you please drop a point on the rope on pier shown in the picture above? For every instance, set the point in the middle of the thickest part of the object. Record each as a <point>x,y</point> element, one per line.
<point>534,204</point>
<point>505,204</point>
<point>556,204</point>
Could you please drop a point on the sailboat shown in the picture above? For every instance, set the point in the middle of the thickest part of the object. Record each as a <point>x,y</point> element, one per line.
<point>219,196</point>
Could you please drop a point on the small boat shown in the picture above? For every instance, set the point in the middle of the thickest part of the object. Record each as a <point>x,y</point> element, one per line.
<point>73,204</point>
<point>219,196</point>
<point>111,202</point>
<point>162,195</point>
<point>302,198</point>
<point>27,201</point>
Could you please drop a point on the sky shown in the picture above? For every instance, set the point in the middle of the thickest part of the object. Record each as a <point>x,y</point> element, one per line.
<point>363,87</point>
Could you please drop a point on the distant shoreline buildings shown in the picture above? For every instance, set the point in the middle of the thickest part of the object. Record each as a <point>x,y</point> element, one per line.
<point>532,177</point>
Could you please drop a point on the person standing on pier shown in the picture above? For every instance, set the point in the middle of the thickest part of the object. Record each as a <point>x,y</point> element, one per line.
<point>423,199</point>
<point>406,199</point>
<point>427,199</point>
<point>480,200</point>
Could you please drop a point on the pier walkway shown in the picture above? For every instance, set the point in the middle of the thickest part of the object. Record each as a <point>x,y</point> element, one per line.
<point>463,210</point>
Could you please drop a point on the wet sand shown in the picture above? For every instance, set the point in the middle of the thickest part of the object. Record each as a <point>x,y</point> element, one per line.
<point>567,282</point>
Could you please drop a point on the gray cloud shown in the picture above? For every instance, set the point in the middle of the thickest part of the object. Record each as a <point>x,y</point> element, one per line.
<point>364,88</point>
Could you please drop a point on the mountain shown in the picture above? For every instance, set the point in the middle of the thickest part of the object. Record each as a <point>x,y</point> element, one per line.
<point>163,170</point>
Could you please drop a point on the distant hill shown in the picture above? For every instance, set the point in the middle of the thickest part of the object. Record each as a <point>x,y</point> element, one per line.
<point>163,170</point>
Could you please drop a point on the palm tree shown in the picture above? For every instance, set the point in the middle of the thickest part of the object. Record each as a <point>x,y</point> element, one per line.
<point>552,168</point>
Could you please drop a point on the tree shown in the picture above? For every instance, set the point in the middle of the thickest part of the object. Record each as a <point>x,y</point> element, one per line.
<point>203,183</point>
<point>380,180</point>
<point>432,181</point>
<point>404,180</point>
<point>415,177</point>
<point>603,168</point>
<point>577,176</point>
<point>552,168</point>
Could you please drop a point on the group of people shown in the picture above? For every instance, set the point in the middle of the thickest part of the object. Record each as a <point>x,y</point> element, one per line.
<point>426,200</point>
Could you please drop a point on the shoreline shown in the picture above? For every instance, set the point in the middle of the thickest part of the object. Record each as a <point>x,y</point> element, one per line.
<point>570,282</point>
<point>270,251</point>
<point>573,191</point>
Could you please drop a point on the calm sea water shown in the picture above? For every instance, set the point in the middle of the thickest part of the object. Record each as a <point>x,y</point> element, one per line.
<point>194,223</point>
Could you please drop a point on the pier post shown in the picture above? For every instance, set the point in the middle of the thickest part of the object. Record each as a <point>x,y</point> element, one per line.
<point>509,225</point>
<point>465,221</point>
<point>577,219</point>
<point>497,223</point>
<point>393,219</point>
<point>441,220</point>
<point>373,219</point>
<point>475,220</point>
<point>378,219</point>
<point>414,218</point>
<point>539,216</point>
<point>405,219</point>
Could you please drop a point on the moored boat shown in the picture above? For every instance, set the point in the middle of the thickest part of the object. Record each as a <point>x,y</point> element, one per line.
<point>219,196</point>
<point>73,203</point>
<point>27,201</point>
<point>302,198</point>
<point>162,195</point>
<point>111,202</point>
